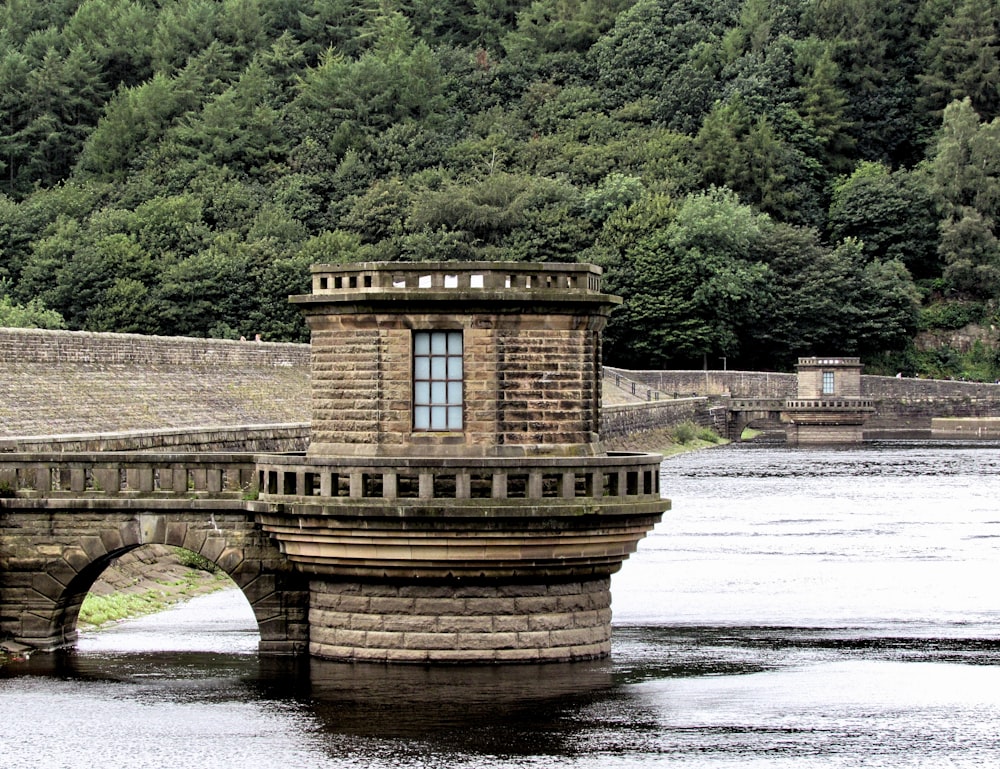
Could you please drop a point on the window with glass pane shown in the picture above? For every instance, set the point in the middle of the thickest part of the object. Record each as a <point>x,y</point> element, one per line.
<point>437,380</point>
<point>827,383</point>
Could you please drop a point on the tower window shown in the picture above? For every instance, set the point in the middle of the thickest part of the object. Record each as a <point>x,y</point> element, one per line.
<point>437,380</point>
<point>828,383</point>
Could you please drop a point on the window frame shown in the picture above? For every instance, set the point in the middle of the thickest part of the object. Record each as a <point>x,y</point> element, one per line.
<point>438,381</point>
<point>828,383</point>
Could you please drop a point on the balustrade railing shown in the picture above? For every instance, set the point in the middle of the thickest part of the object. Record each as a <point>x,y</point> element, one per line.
<point>615,476</point>
<point>332,279</point>
<point>851,404</point>
<point>115,474</point>
<point>604,477</point>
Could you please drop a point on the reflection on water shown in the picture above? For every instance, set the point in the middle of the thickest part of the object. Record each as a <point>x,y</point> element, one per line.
<point>796,608</point>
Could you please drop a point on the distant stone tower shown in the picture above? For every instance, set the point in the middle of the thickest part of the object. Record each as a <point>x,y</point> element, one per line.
<point>828,407</point>
<point>455,503</point>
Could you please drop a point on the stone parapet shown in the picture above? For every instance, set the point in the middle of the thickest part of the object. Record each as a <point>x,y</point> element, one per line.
<point>92,475</point>
<point>507,277</point>
<point>238,438</point>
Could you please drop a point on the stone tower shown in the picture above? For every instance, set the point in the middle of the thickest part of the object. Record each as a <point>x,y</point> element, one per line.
<point>455,503</point>
<point>828,407</point>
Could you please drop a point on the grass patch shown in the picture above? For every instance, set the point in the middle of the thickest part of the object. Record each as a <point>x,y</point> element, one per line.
<point>689,432</point>
<point>98,610</point>
<point>101,610</point>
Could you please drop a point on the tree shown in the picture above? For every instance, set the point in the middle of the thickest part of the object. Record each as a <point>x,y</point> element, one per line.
<point>31,315</point>
<point>668,52</point>
<point>892,214</point>
<point>62,101</point>
<point>688,277</point>
<point>963,59</point>
<point>965,170</point>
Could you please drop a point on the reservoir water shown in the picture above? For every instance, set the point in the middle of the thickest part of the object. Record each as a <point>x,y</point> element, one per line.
<point>797,608</point>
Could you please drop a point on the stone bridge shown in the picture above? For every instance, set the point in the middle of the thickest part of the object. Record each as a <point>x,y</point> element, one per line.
<point>65,517</point>
<point>730,401</point>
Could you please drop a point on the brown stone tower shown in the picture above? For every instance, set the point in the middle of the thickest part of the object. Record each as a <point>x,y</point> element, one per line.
<point>828,407</point>
<point>455,503</point>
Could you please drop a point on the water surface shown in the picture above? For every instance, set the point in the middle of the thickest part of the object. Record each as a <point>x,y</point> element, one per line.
<point>797,608</point>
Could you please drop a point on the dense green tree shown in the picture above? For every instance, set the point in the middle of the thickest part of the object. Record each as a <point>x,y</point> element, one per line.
<point>172,166</point>
<point>963,59</point>
<point>965,170</point>
<point>31,315</point>
<point>64,96</point>
<point>875,48</point>
<point>688,276</point>
<point>117,33</point>
<point>892,214</point>
<point>137,117</point>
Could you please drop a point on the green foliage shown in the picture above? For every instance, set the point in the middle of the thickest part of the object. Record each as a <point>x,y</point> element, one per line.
<point>194,560</point>
<point>760,178</point>
<point>893,214</point>
<point>951,315</point>
<point>689,432</point>
<point>966,179</point>
<point>688,276</point>
<point>31,315</point>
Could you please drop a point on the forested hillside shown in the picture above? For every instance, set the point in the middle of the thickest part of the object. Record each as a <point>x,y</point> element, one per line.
<point>760,179</point>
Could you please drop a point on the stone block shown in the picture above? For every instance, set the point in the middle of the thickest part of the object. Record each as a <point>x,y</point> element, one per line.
<point>550,621</point>
<point>481,641</point>
<point>131,533</point>
<point>112,540</point>
<point>48,587</point>
<point>213,548</point>
<point>77,558</point>
<point>464,624</point>
<point>230,560</point>
<point>369,622</point>
<point>176,532</point>
<point>259,589</point>
<point>513,623</point>
<point>533,639</point>
<point>405,623</point>
<point>428,641</point>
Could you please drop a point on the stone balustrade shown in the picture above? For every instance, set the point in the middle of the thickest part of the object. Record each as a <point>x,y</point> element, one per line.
<point>440,276</point>
<point>829,404</point>
<point>827,361</point>
<point>70,475</point>
<point>531,519</point>
<point>420,480</point>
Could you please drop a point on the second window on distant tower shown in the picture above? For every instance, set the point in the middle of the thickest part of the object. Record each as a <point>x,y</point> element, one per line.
<point>437,380</point>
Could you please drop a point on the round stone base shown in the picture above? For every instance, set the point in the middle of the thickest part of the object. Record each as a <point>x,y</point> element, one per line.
<point>436,623</point>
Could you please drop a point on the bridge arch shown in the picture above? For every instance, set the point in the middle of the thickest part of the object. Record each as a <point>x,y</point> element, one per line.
<point>59,554</point>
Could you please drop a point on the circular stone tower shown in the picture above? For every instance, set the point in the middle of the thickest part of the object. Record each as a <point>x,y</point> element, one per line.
<point>455,504</point>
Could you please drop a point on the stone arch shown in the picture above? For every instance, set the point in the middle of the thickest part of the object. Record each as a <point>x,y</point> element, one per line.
<point>759,420</point>
<point>67,564</point>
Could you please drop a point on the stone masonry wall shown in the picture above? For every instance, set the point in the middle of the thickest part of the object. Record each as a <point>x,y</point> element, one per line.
<point>427,623</point>
<point>619,422</point>
<point>748,384</point>
<point>546,385</point>
<point>528,382</point>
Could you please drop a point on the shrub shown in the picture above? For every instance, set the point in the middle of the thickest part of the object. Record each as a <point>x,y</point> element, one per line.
<point>194,561</point>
